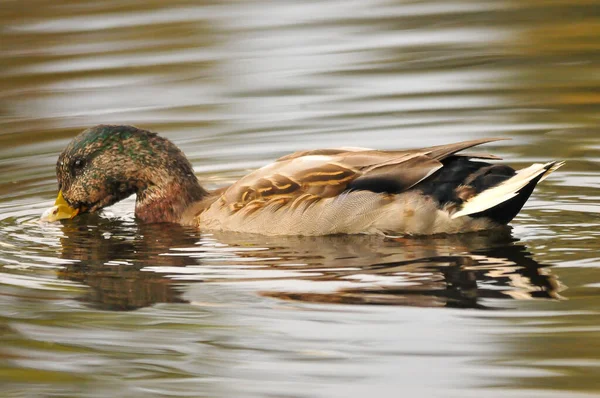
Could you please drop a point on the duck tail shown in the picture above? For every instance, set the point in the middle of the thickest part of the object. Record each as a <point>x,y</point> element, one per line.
<point>503,202</point>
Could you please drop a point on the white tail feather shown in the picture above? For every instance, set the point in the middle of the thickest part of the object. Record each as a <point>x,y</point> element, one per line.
<point>507,189</point>
<point>555,167</point>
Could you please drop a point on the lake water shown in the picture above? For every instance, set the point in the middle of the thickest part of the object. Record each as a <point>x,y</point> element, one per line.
<point>103,306</point>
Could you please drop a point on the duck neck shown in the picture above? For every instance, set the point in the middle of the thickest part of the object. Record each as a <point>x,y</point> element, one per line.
<point>166,199</point>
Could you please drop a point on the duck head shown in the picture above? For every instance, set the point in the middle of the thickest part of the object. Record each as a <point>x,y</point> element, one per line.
<point>106,164</point>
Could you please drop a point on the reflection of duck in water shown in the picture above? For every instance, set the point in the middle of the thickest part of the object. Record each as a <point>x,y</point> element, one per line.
<point>111,256</point>
<point>455,271</point>
<point>126,268</point>
<point>330,191</point>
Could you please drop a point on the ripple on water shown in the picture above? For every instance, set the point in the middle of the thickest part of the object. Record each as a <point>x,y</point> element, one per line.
<point>103,306</point>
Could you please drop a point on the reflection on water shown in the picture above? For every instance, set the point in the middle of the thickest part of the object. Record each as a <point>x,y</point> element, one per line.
<point>110,256</point>
<point>115,260</point>
<point>453,281</point>
<point>103,306</point>
<point>455,271</point>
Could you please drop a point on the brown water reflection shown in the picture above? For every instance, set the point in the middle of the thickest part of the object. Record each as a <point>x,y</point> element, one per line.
<point>128,268</point>
<point>239,83</point>
<point>453,281</point>
<point>453,271</point>
<point>112,265</point>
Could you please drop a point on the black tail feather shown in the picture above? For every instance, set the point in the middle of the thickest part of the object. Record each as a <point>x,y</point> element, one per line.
<point>506,211</point>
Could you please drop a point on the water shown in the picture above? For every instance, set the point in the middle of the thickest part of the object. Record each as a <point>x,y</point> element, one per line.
<point>103,306</point>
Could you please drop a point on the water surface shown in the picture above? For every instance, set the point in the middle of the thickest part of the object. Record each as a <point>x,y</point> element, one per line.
<point>104,306</point>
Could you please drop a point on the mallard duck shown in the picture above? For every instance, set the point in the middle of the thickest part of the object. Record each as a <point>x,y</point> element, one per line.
<point>435,190</point>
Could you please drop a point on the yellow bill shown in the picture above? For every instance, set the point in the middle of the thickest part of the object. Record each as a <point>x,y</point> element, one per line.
<point>59,211</point>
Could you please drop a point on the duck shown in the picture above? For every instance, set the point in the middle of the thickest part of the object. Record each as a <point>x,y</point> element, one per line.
<point>425,191</point>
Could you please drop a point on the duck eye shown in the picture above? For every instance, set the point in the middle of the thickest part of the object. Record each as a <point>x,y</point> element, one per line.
<point>77,165</point>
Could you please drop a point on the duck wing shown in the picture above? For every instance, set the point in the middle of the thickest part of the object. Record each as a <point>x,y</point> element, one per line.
<point>309,176</point>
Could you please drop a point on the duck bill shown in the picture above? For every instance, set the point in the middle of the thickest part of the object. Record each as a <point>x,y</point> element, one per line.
<point>60,211</point>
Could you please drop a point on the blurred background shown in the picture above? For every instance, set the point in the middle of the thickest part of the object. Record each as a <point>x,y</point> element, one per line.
<point>239,83</point>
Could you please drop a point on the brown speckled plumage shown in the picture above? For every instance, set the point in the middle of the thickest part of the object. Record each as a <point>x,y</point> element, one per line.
<point>105,164</point>
<point>328,191</point>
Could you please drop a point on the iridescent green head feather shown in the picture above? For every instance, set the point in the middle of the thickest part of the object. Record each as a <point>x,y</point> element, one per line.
<point>105,164</point>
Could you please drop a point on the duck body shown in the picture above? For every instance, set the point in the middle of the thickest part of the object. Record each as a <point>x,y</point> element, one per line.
<point>359,212</point>
<point>422,191</point>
